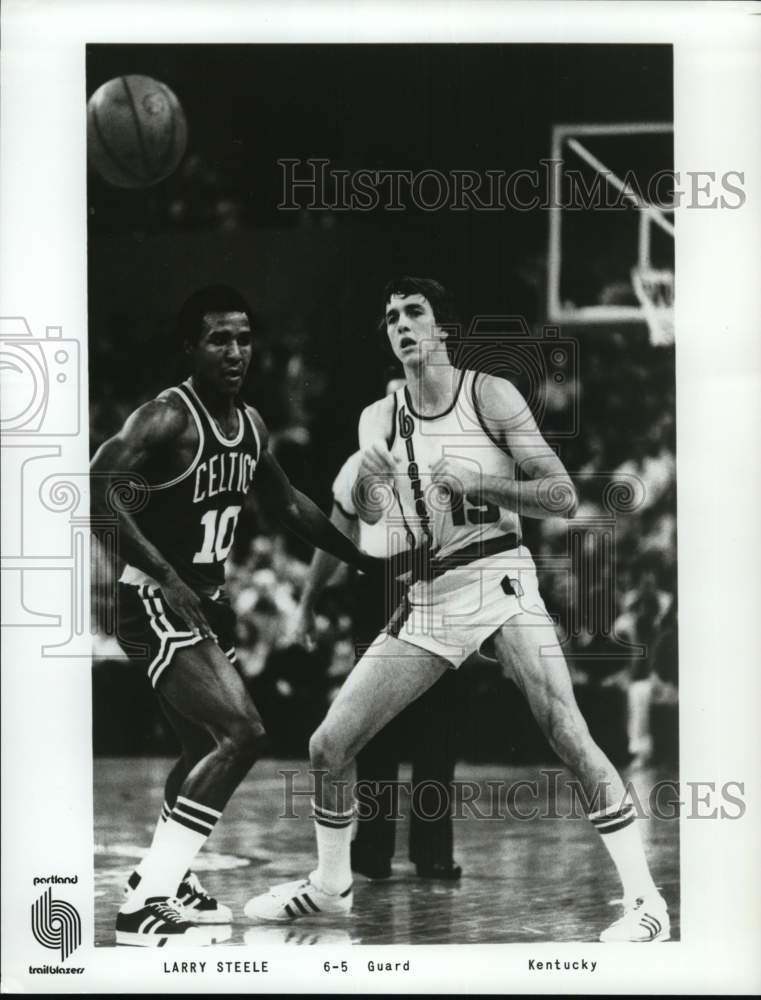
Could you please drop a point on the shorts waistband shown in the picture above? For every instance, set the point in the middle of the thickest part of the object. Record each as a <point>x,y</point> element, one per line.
<point>472,553</point>
<point>428,566</point>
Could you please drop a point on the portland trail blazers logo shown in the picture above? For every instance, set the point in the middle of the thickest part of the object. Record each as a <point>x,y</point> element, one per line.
<point>56,924</point>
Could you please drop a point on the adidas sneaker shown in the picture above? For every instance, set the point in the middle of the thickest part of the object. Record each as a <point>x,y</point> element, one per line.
<point>160,923</point>
<point>200,907</point>
<point>644,920</point>
<point>299,900</point>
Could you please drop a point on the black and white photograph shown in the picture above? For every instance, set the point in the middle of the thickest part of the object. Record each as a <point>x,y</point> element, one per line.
<point>349,298</point>
<point>378,518</point>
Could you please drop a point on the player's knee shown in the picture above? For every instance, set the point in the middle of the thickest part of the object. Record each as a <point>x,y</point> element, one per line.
<point>325,751</point>
<point>244,739</point>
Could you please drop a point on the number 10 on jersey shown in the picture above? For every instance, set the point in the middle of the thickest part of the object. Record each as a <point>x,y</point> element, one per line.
<point>218,535</point>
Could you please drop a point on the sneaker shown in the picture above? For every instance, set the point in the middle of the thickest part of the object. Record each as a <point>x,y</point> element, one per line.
<point>200,907</point>
<point>646,919</point>
<point>160,922</point>
<point>295,900</point>
<point>373,867</point>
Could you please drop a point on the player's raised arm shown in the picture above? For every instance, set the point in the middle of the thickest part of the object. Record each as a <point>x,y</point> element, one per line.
<point>546,490</point>
<point>298,513</point>
<point>148,434</point>
<point>377,467</point>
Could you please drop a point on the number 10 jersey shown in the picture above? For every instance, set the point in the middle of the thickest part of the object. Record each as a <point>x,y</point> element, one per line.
<point>192,518</point>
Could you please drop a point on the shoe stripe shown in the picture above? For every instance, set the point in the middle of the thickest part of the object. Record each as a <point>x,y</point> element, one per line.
<point>143,928</point>
<point>308,899</point>
<point>289,911</point>
<point>651,924</point>
<point>299,905</point>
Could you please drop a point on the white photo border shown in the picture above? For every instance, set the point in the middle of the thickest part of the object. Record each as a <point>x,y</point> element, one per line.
<point>46,703</point>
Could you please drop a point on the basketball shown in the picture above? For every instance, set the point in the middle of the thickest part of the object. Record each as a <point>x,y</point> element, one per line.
<point>136,131</point>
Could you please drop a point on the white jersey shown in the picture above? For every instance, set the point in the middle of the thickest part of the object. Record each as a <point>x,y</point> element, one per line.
<point>430,518</point>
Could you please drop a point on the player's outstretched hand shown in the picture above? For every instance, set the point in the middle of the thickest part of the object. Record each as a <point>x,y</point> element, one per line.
<point>302,629</point>
<point>186,603</point>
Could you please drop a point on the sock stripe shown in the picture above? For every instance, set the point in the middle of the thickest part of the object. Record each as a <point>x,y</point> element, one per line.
<point>616,825</point>
<point>166,811</point>
<point>212,815</point>
<point>192,824</point>
<point>330,814</point>
<point>333,824</point>
<point>605,815</point>
<point>607,820</point>
<point>335,820</point>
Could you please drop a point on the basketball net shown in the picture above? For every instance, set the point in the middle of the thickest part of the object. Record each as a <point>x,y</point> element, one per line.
<point>655,293</point>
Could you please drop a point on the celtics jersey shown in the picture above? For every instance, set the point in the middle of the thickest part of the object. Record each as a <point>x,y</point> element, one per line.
<point>431,518</point>
<point>191,519</point>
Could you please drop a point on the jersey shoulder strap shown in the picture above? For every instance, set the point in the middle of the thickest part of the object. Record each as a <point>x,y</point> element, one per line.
<point>179,391</point>
<point>252,423</point>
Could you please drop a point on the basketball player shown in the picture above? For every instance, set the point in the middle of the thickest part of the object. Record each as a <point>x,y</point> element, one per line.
<point>430,720</point>
<point>192,455</point>
<point>457,440</point>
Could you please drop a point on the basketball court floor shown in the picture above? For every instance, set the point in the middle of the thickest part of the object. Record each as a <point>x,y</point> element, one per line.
<point>546,879</point>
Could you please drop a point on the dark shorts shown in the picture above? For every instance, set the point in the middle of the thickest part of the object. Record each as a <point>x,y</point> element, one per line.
<point>150,633</point>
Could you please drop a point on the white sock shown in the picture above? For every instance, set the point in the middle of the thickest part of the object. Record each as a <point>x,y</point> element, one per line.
<point>618,829</point>
<point>173,849</point>
<point>333,831</point>
<point>164,815</point>
<point>158,831</point>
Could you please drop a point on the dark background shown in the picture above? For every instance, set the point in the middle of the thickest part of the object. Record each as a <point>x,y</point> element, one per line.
<point>315,279</point>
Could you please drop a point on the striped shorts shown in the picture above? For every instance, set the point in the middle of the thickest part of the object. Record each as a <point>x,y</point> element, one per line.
<point>150,632</point>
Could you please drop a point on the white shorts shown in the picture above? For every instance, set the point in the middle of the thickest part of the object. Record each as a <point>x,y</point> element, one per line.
<point>457,612</point>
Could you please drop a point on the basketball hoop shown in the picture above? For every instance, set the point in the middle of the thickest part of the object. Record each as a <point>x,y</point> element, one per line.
<point>655,293</point>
